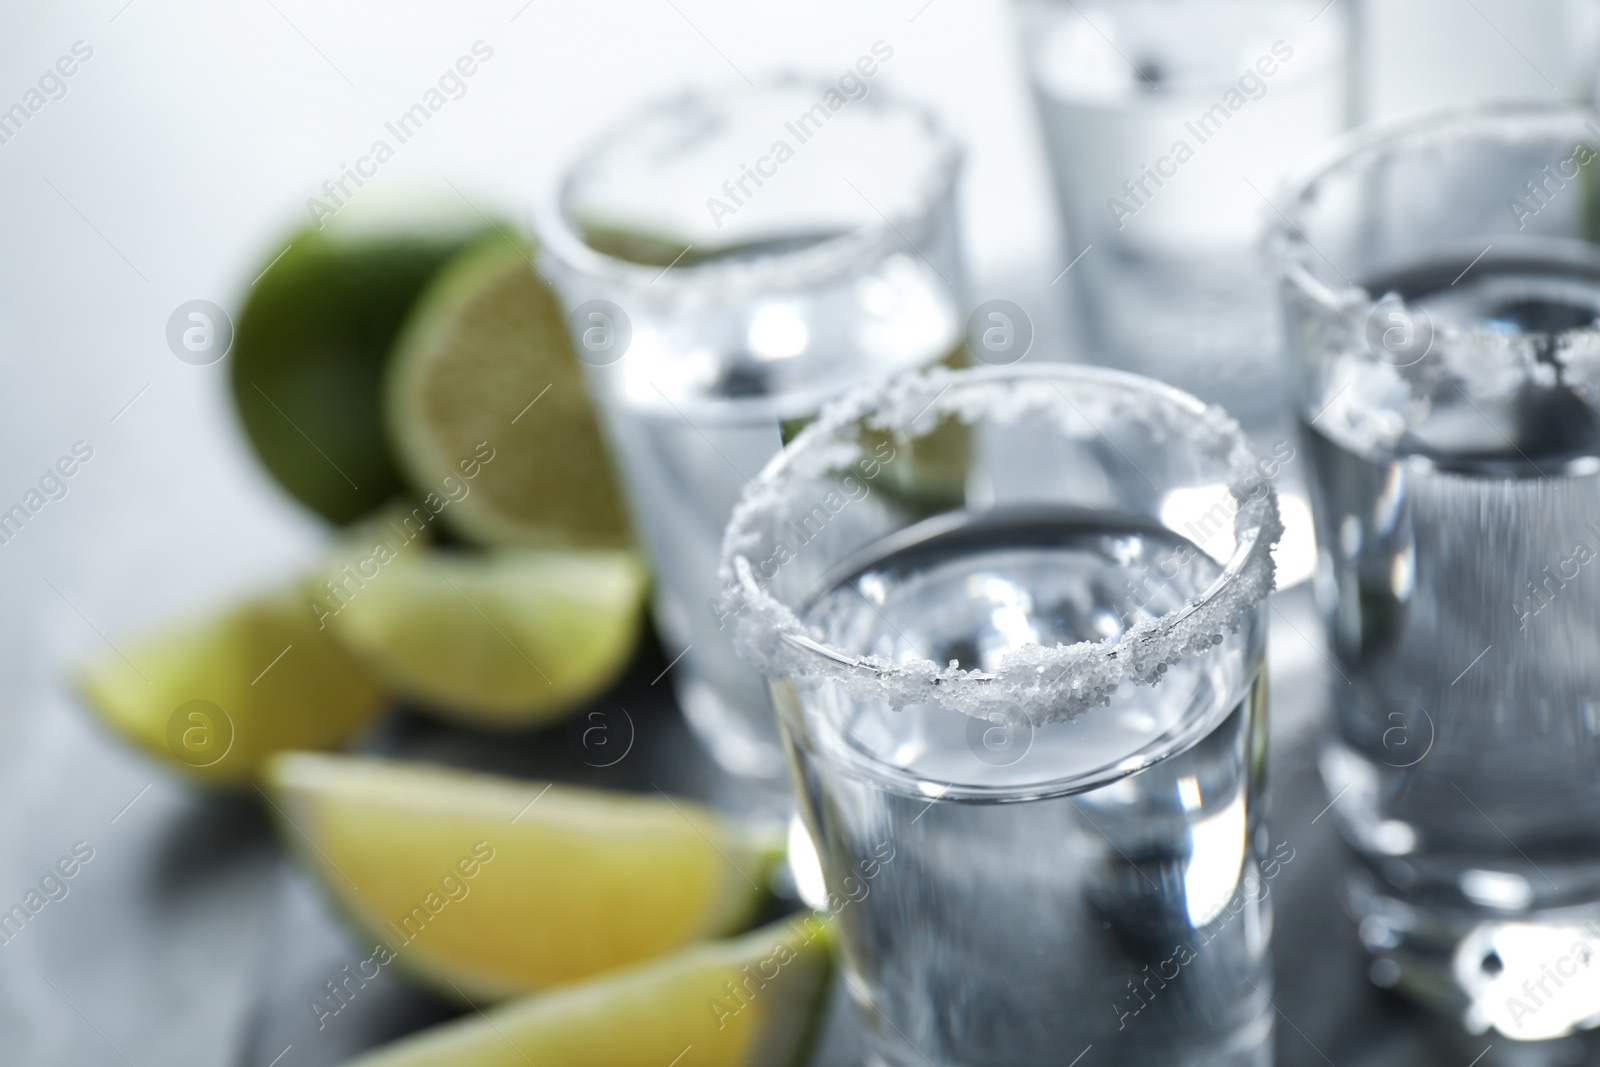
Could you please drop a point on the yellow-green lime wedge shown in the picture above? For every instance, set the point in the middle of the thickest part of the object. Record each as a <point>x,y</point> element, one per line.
<point>215,696</point>
<point>490,887</point>
<point>755,1001</point>
<point>507,638</point>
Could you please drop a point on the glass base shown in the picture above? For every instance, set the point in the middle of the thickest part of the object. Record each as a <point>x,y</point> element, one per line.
<point>1248,1046</point>
<point>1531,976</point>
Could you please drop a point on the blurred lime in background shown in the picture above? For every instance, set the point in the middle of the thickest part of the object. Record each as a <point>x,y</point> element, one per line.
<point>214,696</point>
<point>505,638</point>
<point>484,366</point>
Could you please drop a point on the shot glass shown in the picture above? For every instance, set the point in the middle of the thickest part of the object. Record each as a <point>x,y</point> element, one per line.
<point>1442,289</point>
<point>1027,732</point>
<point>1167,123</point>
<point>730,260</point>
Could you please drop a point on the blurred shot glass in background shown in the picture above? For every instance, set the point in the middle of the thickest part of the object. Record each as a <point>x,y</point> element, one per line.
<point>729,261</point>
<point>1442,289</point>
<point>1168,124</point>
<point>1028,731</point>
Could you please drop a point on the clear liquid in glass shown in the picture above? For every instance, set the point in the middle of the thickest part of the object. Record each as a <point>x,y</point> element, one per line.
<point>1012,897</point>
<point>1166,123</point>
<point>700,403</point>
<point>1457,546</point>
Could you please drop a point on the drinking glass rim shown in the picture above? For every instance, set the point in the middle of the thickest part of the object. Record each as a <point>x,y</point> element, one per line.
<point>1293,249</point>
<point>560,240</point>
<point>774,637</point>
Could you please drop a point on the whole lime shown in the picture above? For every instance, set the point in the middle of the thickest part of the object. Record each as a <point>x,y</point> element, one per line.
<point>309,354</point>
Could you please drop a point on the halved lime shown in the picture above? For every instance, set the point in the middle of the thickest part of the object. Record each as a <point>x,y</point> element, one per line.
<point>756,1001</point>
<point>484,368</point>
<point>490,887</point>
<point>507,638</point>
<point>216,696</point>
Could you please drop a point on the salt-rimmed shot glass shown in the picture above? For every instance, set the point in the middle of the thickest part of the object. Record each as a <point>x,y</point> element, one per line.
<point>731,258</point>
<point>1442,289</point>
<point>1166,122</point>
<point>1027,730</point>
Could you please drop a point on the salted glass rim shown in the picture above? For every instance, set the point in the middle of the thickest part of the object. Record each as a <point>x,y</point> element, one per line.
<point>561,240</point>
<point>1505,121</point>
<point>1032,685</point>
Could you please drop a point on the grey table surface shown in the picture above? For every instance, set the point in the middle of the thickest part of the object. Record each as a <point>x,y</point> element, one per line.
<point>189,938</point>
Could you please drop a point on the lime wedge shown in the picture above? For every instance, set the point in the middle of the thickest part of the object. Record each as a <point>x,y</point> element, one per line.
<point>308,358</point>
<point>491,887</point>
<point>482,369</point>
<point>509,638</point>
<point>215,696</point>
<point>755,1001</point>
